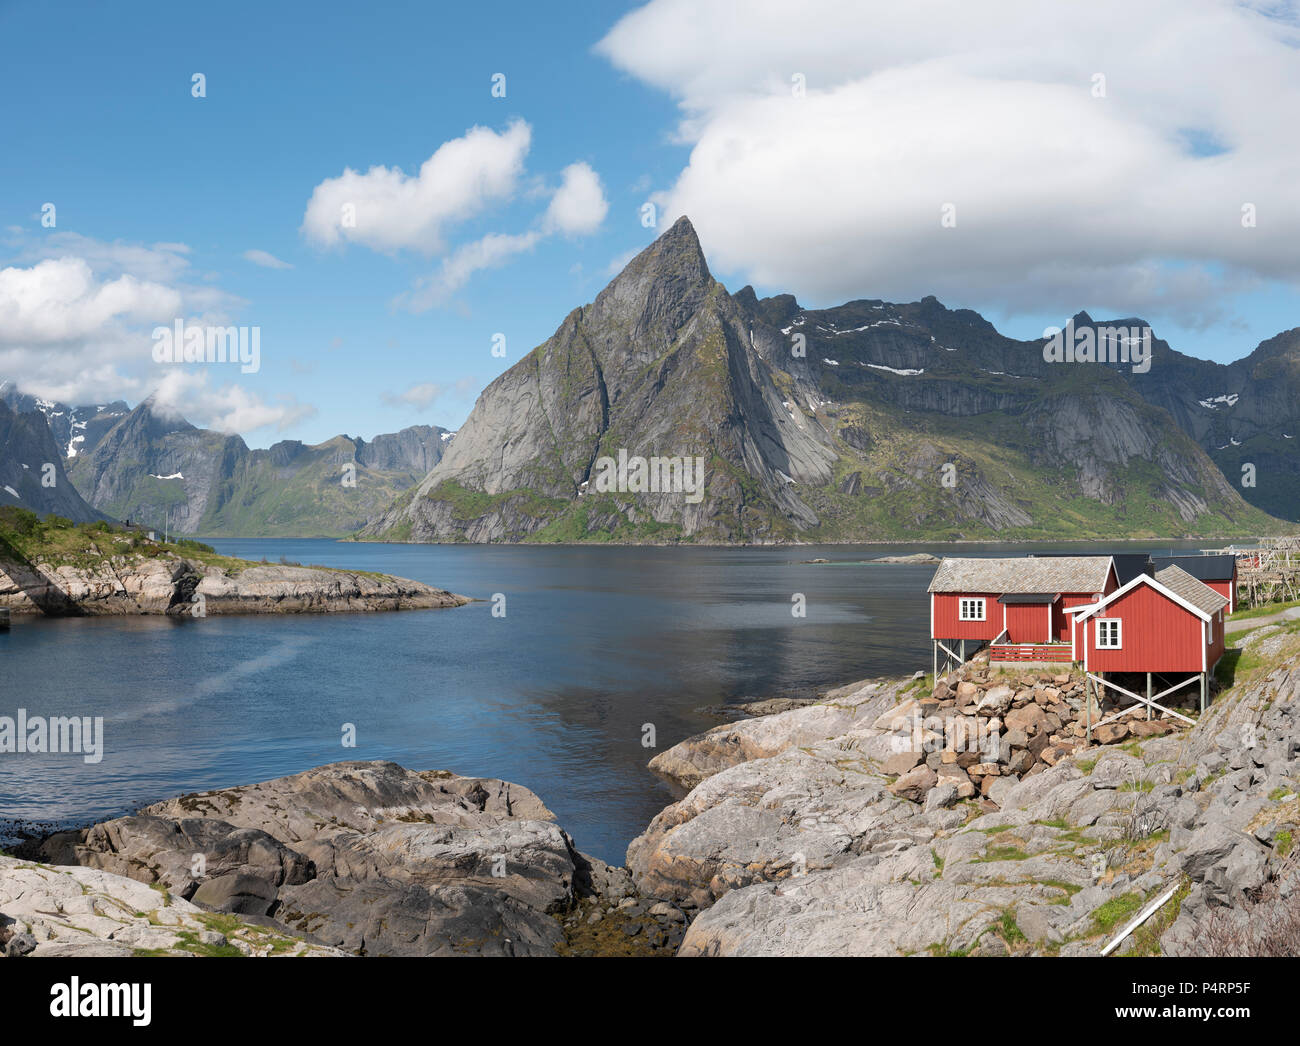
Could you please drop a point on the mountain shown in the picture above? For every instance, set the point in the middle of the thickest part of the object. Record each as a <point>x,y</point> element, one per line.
<point>164,471</point>
<point>31,468</point>
<point>76,430</point>
<point>870,420</point>
<point>1245,412</point>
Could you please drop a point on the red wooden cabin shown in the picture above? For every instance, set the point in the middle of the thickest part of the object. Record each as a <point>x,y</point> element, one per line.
<point>1014,603</point>
<point>1167,622</point>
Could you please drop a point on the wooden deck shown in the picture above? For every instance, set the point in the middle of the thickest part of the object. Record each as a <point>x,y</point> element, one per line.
<point>1037,652</point>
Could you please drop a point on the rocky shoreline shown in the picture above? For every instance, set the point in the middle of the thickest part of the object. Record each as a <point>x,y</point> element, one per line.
<point>189,587</point>
<point>801,832</point>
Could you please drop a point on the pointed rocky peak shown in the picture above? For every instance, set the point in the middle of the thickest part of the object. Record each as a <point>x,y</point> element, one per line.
<point>155,420</point>
<point>675,257</point>
<point>660,288</point>
<point>1081,319</point>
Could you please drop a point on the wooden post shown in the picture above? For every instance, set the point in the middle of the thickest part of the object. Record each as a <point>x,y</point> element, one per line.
<point>963,651</point>
<point>1148,696</point>
<point>934,647</point>
<point>1205,679</point>
<point>1087,705</point>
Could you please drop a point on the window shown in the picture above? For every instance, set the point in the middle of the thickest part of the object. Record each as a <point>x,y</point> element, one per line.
<point>972,610</point>
<point>1109,633</point>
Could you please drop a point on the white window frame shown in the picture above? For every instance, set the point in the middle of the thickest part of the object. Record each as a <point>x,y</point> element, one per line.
<point>980,606</point>
<point>1118,633</point>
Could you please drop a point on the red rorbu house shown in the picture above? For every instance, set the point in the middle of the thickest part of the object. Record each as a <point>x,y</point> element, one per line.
<point>1019,607</point>
<point>1163,622</point>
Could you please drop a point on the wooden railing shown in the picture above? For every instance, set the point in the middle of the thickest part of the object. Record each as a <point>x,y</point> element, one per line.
<point>1062,652</point>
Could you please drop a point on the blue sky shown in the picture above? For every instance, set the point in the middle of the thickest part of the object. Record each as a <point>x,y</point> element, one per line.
<point>163,190</point>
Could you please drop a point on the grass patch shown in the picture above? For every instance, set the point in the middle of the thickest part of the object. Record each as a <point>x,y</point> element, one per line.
<point>1114,912</point>
<point>1002,853</point>
<point>1146,938</point>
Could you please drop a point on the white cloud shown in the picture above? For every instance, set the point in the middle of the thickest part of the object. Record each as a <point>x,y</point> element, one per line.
<point>60,300</point>
<point>265,259</point>
<point>579,205</point>
<point>228,408</point>
<point>76,317</point>
<point>389,210</point>
<point>425,394</point>
<point>394,210</point>
<point>1060,196</point>
<point>490,251</point>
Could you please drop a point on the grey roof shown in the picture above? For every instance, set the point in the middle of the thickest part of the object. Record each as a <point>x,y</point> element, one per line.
<point>1203,568</point>
<point>1195,592</point>
<point>1023,574</point>
<point>1027,598</point>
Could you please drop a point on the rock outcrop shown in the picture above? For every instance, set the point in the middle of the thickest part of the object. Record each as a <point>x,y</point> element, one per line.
<point>375,859</point>
<point>87,913</point>
<point>182,586</point>
<point>813,851</point>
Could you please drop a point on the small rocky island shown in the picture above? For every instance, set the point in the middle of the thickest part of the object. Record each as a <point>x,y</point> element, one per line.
<point>60,568</point>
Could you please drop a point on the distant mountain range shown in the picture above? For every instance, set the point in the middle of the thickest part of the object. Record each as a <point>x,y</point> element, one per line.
<point>144,466</point>
<point>869,420</point>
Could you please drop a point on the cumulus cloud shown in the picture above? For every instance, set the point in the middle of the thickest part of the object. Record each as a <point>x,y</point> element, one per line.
<point>387,209</point>
<point>577,208</point>
<point>579,205</point>
<point>265,259</point>
<point>490,251</point>
<point>225,408</point>
<point>76,319</point>
<point>1081,162</point>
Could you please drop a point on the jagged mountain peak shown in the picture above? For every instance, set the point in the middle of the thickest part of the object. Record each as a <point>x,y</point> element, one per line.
<point>662,284</point>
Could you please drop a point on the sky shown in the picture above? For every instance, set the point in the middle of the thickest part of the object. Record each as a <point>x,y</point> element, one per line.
<point>404,200</point>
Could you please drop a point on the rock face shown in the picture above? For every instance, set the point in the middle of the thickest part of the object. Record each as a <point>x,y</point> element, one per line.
<point>31,468</point>
<point>171,584</point>
<point>690,762</point>
<point>811,850</point>
<point>76,430</point>
<point>84,913</point>
<point>369,857</point>
<point>660,365</point>
<point>161,470</point>
<point>812,424</point>
<point>377,860</point>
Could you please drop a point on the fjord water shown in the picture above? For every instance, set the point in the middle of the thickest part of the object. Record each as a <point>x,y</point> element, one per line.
<point>595,643</point>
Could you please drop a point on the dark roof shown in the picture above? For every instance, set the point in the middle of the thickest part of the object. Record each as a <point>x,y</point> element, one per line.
<point>1029,597</point>
<point>1129,565</point>
<point>1203,568</point>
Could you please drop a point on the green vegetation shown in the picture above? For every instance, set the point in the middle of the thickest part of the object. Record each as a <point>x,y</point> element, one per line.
<point>1264,611</point>
<point>1116,911</point>
<point>1146,938</point>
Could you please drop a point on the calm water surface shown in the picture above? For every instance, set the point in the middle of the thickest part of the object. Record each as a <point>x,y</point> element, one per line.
<point>595,643</point>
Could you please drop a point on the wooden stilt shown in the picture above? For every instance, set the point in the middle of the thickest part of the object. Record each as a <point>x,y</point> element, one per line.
<point>1148,695</point>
